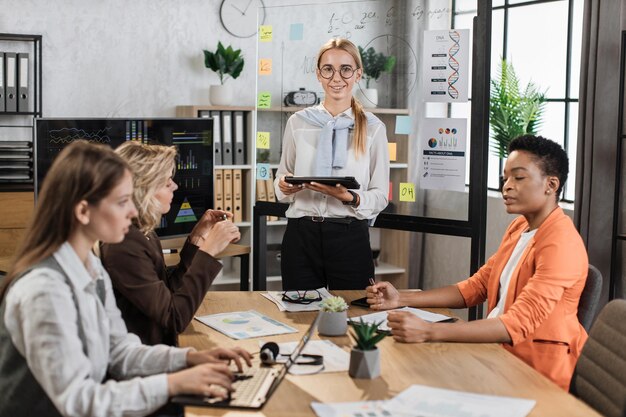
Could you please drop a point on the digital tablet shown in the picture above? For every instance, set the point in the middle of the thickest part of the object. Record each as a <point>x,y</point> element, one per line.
<point>348,182</point>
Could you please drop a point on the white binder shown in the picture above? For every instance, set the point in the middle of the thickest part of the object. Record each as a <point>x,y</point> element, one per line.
<point>240,154</point>
<point>22,82</point>
<point>217,137</point>
<point>227,138</point>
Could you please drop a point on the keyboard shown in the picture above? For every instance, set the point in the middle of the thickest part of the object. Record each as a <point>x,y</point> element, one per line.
<point>251,387</point>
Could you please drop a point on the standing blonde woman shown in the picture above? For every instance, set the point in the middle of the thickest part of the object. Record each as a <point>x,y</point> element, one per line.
<point>158,304</point>
<point>61,332</point>
<point>326,243</point>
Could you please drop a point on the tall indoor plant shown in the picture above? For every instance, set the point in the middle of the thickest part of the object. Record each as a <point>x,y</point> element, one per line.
<point>513,112</point>
<point>374,64</point>
<point>226,62</point>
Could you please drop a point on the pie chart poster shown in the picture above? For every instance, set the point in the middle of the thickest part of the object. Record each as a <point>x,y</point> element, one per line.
<point>443,154</point>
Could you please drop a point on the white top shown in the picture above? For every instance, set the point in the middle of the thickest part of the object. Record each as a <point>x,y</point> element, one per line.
<point>371,170</point>
<point>507,272</point>
<point>41,318</point>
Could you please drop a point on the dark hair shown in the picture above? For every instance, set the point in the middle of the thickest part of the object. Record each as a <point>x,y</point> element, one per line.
<point>82,171</point>
<point>549,155</point>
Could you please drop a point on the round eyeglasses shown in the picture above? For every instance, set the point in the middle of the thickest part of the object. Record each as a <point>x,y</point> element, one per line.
<point>345,71</point>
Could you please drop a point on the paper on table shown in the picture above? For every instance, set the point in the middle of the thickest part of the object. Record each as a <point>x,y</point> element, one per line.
<point>425,401</point>
<point>277,298</point>
<point>382,316</point>
<point>354,409</point>
<point>335,358</point>
<point>245,324</point>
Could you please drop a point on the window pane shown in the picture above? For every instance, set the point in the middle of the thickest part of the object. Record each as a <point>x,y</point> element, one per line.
<point>577,34</point>
<point>537,44</point>
<point>572,146</point>
<point>497,41</point>
<point>553,122</point>
<point>494,172</point>
<point>497,3</point>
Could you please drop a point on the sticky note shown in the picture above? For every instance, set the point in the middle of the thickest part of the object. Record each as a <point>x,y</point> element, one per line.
<point>296,32</point>
<point>403,125</point>
<point>392,150</point>
<point>265,66</point>
<point>407,191</point>
<point>265,33</point>
<point>263,140</point>
<point>263,171</point>
<point>264,100</point>
<point>390,196</point>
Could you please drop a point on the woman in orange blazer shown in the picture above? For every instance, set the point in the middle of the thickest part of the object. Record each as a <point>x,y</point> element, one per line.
<point>532,283</point>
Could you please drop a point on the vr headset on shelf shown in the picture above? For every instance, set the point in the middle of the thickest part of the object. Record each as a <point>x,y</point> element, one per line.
<point>301,98</point>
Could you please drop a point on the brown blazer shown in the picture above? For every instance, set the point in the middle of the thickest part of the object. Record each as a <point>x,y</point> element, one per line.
<point>542,300</point>
<point>157,304</point>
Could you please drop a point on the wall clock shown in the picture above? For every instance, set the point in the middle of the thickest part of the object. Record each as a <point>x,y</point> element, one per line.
<point>239,17</point>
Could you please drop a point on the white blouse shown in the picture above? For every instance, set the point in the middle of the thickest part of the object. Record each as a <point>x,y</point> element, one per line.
<point>371,170</point>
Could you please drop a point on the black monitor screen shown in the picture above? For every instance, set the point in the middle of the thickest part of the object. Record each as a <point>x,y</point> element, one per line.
<point>194,168</point>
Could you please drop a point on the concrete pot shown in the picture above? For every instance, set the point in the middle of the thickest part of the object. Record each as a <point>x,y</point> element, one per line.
<point>367,96</point>
<point>364,363</point>
<point>221,95</point>
<point>333,323</point>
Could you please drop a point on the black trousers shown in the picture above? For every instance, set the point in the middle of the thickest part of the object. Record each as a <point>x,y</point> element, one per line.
<point>326,254</point>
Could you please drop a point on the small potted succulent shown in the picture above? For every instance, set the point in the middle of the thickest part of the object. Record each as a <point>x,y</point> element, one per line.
<point>365,356</point>
<point>374,64</point>
<point>334,319</point>
<point>226,62</point>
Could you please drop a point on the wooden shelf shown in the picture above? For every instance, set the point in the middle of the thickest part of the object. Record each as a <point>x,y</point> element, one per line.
<point>374,110</point>
<point>192,111</point>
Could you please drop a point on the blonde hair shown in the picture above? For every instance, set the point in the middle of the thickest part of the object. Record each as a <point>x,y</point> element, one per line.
<point>82,172</point>
<point>152,166</point>
<point>360,120</point>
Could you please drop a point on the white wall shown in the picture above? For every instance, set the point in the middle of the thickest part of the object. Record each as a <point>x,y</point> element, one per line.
<point>119,58</point>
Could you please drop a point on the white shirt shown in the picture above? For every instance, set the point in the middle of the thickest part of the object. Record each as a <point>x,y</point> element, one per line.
<point>41,318</point>
<point>371,170</point>
<point>507,272</point>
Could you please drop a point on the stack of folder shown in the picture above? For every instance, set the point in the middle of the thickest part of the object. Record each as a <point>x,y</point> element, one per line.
<point>228,192</point>
<point>229,136</point>
<point>16,162</point>
<point>14,81</point>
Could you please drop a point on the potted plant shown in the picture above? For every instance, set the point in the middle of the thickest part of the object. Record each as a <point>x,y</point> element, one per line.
<point>365,356</point>
<point>334,317</point>
<point>374,64</point>
<point>513,113</point>
<point>226,62</point>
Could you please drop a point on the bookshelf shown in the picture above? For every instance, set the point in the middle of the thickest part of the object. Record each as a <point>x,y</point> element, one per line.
<point>393,259</point>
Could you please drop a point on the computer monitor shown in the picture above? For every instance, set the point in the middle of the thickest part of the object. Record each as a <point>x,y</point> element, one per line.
<point>194,166</point>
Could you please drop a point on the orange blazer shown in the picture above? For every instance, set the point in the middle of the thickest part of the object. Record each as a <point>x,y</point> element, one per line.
<point>542,300</point>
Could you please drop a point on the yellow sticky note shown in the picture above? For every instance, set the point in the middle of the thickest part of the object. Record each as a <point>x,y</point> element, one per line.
<point>392,151</point>
<point>265,66</point>
<point>263,140</point>
<point>264,100</point>
<point>407,191</point>
<point>265,33</point>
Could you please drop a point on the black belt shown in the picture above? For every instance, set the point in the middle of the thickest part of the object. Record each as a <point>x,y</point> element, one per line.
<point>322,219</point>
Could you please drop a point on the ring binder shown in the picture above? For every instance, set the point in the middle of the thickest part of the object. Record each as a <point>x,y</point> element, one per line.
<point>22,83</point>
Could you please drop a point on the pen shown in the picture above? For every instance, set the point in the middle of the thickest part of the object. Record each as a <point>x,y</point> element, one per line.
<point>167,251</point>
<point>372,281</point>
<point>224,217</point>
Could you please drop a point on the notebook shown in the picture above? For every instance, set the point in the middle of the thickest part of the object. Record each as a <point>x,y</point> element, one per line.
<point>254,386</point>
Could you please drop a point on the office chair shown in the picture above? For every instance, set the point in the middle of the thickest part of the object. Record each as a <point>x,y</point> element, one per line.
<point>600,375</point>
<point>590,297</point>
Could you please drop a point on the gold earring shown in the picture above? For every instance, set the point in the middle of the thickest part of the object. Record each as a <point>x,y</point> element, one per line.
<point>548,192</point>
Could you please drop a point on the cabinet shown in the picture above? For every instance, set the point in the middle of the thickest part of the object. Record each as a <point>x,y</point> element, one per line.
<point>229,278</point>
<point>20,103</point>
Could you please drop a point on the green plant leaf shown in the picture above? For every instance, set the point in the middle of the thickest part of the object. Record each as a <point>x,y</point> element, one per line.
<point>224,61</point>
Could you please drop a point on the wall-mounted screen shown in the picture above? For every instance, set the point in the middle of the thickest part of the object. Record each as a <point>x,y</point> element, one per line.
<point>194,166</point>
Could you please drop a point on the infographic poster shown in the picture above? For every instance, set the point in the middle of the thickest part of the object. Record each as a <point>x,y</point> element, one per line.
<point>446,65</point>
<point>443,154</point>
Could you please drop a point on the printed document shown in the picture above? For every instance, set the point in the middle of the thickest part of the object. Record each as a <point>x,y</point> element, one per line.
<point>381,316</point>
<point>245,324</point>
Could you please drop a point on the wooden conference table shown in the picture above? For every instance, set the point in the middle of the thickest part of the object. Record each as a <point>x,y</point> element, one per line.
<point>477,368</point>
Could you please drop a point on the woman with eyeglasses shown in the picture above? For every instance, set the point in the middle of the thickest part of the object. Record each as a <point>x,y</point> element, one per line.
<point>156,303</point>
<point>326,243</point>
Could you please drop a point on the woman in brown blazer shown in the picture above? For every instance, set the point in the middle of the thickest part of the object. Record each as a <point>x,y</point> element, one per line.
<point>156,304</point>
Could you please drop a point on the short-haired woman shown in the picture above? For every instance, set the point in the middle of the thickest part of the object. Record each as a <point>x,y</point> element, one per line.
<point>532,283</point>
<point>326,243</point>
<point>158,304</point>
<point>61,334</point>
